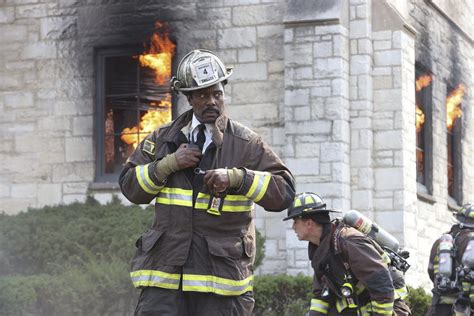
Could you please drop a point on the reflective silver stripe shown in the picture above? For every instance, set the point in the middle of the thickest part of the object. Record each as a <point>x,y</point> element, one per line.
<point>259,185</point>
<point>142,278</point>
<point>232,203</point>
<point>144,180</point>
<point>319,306</point>
<point>212,284</point>
<point>175,196</point>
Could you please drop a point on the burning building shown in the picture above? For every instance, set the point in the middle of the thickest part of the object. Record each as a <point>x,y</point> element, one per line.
<point>368,102</point>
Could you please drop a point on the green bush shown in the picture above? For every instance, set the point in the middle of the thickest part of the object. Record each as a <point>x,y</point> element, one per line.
<point>418,300</point>
<point>260,253</point>
<point>282,295</point>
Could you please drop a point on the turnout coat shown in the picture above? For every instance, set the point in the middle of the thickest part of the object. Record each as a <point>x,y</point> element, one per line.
<point>188,244</point>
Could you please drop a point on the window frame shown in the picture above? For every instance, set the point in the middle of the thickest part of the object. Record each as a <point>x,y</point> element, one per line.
<point>427,108</point>
<point>101,54</point>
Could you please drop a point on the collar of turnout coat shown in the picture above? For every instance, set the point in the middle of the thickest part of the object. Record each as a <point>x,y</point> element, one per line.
<point>173,129</point>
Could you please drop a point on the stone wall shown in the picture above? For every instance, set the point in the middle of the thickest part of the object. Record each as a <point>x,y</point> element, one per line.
<point>329,85</point>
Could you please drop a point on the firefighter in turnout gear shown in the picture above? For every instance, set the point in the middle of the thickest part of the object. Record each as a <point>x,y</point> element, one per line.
<point>351,275</point>
<point>205,172</point>
<point>451,267</point>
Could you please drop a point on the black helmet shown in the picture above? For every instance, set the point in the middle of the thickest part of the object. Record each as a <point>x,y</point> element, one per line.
<point>465,215</point>
<point>305,204</point>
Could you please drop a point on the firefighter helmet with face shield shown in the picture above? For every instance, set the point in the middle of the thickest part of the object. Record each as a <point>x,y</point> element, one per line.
<point>200,68</point>
<point>306,204</point>
<point>465,215</point>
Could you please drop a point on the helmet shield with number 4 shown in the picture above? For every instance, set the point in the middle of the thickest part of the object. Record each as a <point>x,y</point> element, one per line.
<point>199,69</point>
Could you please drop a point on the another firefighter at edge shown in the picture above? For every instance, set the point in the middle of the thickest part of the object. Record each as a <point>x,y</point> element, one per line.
<point>205,171</point>
<point>351,274</point>
<point>451,267</point>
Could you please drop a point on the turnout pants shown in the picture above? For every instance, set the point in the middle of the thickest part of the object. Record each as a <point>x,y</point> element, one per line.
<point>157,301</point>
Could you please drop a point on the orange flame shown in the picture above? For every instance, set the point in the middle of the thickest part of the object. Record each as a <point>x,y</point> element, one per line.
<point>148,123</point>
<point>159,58</point>
<point>453,105</point>
<point>420,118</point>
<point>423,81</point>
<point>160,54</point>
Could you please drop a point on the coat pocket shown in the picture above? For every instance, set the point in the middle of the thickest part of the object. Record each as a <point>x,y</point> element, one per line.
<point>148,239</point>
<point>230,247</point>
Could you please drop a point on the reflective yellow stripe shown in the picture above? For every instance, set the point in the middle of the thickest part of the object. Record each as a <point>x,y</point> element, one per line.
<point>341,304</point>
<point>217,285</point>
<point>401,293</point>
<point>175,196</point>
<point>232,203</point>
<point>259,185</point>
<point>145,181</point>
<point>141,278</point>
<point>382,308</point>
<point>319,306</point>
<point>447,300</point>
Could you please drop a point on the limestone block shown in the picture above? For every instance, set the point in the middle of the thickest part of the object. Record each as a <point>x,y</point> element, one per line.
<point>364,46</point>
<point>275,66</point>
<point>58,27</point>
<point>39,50</point>
<point>328,189</point>
<point>328,67</point>
<point>382,35</point>
<point>72,198</point>
<point>340,87</point>
<point>273,266</point>
<point>387,58</point>
<point>7,14</point>
<point>82,126</point>
<point>382,71</point>
<point>271,249</point>
<point>333,152</point>
<point>360,64</point>
<point>303,166</point>
<point>361,200</point>
<point>103,198</point>
<point>75,187</point>
<point>18,99</point>
<point>298,54</point>
<point>31,11</point>
<point>359,29</point>
<point>256,92</point>
<point>323,49</point>
<point>340,46</point>
<point>387,99</point>
<point>288,35</point>
<point>247,55</point>
<point>360,157</point>
<point>274,30</point>
<point>240,2</point>
<point>49,194</point>
<point>24,190</point>
<point>79,149</point>
<point>250,72</point>
<point>13,33</point>
<point>296,97</point>
<point>229,56</point>
<point>73,172</point>
<point>4,190</point>
<point>315,127</point>
<point>278,136</point>
<point>391,139</point>
<point>340,172</point>
<point>303,73</point>
<point>366,177</point>
<point>389,178</point>
<point>236,37</point>
<point>9,82</point>
<point>307,150</point>
<point>274,226</point>
<point>302,113</point>
<point>321,91</point>
<point>257,14</point>
<point>12,206</point>
<point>391,221</point>
<point>382,45</point>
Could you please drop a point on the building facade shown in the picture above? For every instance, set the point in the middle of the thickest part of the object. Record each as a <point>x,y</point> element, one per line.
<point>335,87</point>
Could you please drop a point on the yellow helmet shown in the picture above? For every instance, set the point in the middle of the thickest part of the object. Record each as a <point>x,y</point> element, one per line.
<point>465,215</point>
<point>200,68</point>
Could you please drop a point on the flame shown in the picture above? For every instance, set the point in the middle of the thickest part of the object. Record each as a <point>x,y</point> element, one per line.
<point>453,105</point>
<point>148,123</point>
<point>423,81</point>
<point>420,118</point>
<point>160,54</point>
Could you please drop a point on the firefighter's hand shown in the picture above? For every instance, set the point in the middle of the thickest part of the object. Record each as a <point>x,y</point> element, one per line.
<point>187,156</point>
<point>217,180</point>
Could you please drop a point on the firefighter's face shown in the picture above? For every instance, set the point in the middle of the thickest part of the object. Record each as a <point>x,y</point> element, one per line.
<point>207,103</point>
<point>307,229</point>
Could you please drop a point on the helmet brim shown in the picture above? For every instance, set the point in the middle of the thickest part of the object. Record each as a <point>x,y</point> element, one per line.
<point>207,85</point>
<point>311,212</point>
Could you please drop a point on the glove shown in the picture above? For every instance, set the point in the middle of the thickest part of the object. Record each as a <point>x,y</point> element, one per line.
<point>165,167</point>
<point>236,176</point>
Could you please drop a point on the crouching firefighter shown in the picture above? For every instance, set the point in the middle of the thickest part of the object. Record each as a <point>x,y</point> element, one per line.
<point>351,276</point>
<point>451,267</point>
